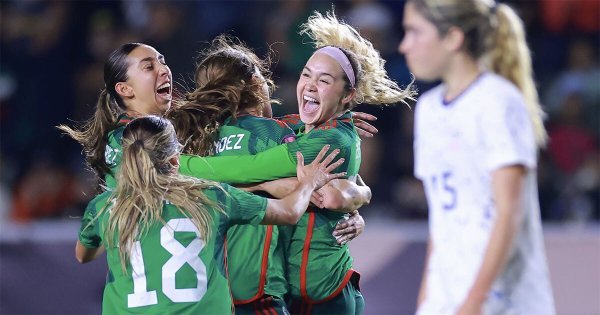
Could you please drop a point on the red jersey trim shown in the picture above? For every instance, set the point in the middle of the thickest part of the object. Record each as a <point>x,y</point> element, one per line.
<point>263,269</point>
<point>304,264</point>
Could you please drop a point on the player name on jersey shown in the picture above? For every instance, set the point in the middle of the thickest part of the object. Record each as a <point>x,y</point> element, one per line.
<point>231,142</point>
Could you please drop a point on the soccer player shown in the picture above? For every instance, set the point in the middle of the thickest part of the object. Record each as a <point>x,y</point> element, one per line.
<point>138,82</point>
<point>475,151</point>
<point>344,70</point>
<point>223,116</point>
<point>164,232</point>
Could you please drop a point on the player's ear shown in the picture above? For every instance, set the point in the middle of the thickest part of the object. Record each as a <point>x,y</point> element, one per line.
<point>350,94</point>
<point>174,161</point>
<point>454,39</point>
<point>124,90</point>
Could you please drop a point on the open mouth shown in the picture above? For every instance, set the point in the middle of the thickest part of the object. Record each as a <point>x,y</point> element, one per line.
<point>311,105</point>
<point>164,90</point>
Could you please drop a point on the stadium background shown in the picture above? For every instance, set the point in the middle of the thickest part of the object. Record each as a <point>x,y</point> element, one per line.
<point>51,58</point>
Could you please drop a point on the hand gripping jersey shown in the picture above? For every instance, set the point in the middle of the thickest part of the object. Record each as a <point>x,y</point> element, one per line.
<point>457,147</point>
<point>319,268</point>
<point>171,270</point>
<point>255,258</point>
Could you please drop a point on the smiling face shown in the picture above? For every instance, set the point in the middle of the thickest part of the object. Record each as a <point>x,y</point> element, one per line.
<point>321,90</point>
<point>148,89</point>
<point>427,54</point>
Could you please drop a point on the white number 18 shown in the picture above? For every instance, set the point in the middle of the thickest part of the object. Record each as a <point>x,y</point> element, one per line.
<point>181,255</point>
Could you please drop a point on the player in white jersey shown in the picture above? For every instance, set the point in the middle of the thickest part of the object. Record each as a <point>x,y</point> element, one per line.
<point>476,138</point>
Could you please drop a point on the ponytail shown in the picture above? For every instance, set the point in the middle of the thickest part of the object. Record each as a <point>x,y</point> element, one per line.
<point>509,57</point>
<point>92,134</point>
<point>146,180</point>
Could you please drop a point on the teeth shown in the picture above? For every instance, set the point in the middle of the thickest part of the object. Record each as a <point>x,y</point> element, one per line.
<point>310,99</point>
<point>165,85</point>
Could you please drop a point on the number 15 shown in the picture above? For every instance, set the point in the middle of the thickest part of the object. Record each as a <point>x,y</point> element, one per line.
<point>448,195</point>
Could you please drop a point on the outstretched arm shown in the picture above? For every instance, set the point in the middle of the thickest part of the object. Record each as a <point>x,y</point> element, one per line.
<point>267,165</point>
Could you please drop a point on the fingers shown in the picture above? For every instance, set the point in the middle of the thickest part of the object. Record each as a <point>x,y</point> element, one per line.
<point>341,226</point>
<point>300,158</point>
<point>330,158</point>
<point>361,124</point>
<point>364,116</point>
<point>333,165</point>
<point>345,235</point>
<point>364,134</point>
<point>322,153</point>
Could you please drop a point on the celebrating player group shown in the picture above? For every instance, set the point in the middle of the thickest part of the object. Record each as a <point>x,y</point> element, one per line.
<point>209,205</point>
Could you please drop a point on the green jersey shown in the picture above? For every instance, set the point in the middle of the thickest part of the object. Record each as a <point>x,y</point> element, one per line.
<point>318,268</point>
<point>114,150</point>
<point>171,270</point>
<point>255,258</point>
<point>246,168</point>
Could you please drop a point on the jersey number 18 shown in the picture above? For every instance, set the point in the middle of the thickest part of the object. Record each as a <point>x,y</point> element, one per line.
<point>181,255</point>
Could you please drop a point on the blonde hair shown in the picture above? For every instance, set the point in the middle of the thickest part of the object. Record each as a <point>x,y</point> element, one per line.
<point>373,86</point>
<point>146,180</point>
<point>494,35</point>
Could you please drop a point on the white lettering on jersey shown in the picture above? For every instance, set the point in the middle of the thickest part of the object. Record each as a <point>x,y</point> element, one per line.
<point>110,155</point>
<point>229,143</point>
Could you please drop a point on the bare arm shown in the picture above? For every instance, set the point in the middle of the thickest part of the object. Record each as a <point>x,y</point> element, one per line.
<point>507,184</point>
<point>84,254</point>
<point>277,188</point>
<point>344,195</point>
<point>289,209</point>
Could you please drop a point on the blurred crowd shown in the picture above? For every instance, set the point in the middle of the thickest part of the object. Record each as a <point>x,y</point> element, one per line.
<point>51,65</point>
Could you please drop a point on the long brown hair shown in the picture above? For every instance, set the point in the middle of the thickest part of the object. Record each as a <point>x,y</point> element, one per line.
<point>146,180</point>
<point>225,85</point>
<point>494,35</point>
<point>92,134</point>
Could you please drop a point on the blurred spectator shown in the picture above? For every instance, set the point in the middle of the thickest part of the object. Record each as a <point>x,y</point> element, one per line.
<point>572,143</point>
<point>43,192</point>
<point>572,16</point>
<point>574,152</point>
<point>581,76</point>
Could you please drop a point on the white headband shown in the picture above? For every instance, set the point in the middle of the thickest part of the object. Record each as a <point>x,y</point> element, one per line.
<point>341,59</point>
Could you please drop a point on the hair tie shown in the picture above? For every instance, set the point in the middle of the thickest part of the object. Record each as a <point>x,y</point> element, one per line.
<point>139,142</point>
<point>342,60</point>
